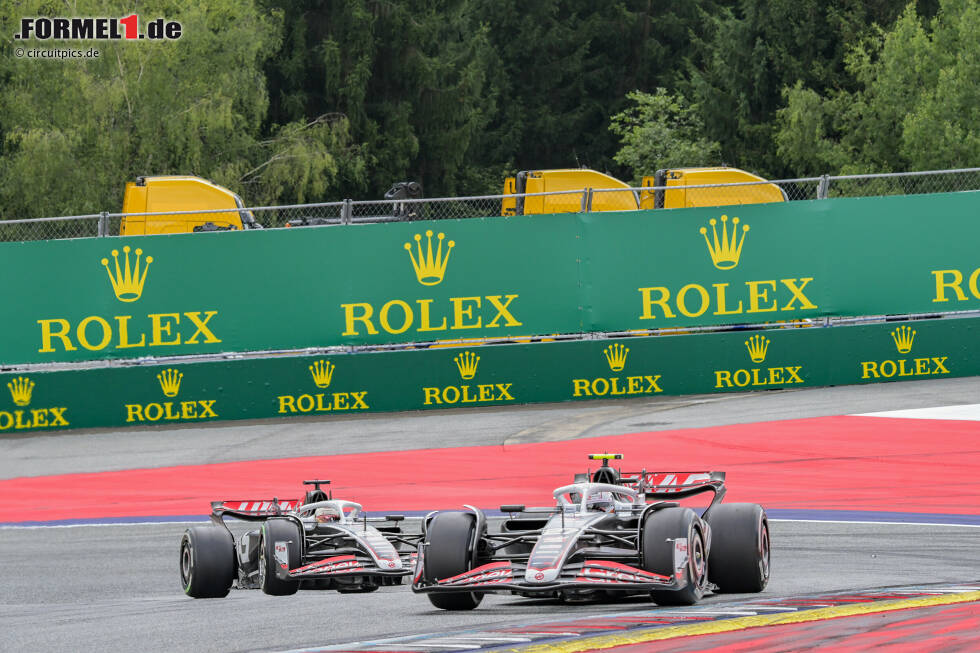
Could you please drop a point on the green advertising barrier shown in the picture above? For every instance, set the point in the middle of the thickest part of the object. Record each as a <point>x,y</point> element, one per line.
<point>781,262</point>
<point>284,387</point>
<point>197,293</point>
<point>497,278</point>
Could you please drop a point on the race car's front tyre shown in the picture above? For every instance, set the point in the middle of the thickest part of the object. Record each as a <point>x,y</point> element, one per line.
<point>448,553</point>
<point>660,530</point>
<point>207,562</point>
<point>286,534</point>
<point>739,559</point>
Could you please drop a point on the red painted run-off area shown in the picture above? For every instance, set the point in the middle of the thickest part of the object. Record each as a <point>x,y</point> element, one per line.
<point>830,463</point>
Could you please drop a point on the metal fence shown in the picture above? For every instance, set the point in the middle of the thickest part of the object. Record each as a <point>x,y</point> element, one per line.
<point>359,212</point>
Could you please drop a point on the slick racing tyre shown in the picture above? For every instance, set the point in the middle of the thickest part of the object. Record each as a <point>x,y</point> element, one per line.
<point>660,528</point>
<point>284,533</point>
<point>739,559</point>
<point>449,537</point>
<point>207,562</point>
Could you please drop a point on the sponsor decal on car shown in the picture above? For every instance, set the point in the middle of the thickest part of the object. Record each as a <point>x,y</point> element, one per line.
<point>664,482</point>
<point>334,565</point>
<point>680,557</point>
<point>601,571</point>
<point>489,574</point>
<point>260,507</point>
<point>282,554</point>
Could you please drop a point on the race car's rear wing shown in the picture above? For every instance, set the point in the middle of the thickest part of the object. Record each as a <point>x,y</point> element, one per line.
<point>669,485</point>
<point>674,485</point>
<point>253,509</point>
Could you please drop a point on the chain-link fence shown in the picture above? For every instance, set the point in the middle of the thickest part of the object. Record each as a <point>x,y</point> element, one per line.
<point>299,215</point>
<point>911,183</point>
<point>583,200</point>
<point>79,226</point>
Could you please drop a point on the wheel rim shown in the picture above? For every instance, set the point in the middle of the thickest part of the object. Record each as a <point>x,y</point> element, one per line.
<point>698,562</point>
<point>764,550</point>
<point>262,562</point>
<point>186,564</point>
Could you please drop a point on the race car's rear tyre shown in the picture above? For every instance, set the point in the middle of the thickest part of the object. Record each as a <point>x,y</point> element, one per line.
<point>450,536</point>
<point>659,531</point>
<point>285,532</point>
<point>739,559</point>
<point>207,562</point>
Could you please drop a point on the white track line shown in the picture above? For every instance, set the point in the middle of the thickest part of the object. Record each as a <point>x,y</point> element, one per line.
<point>967,412</point>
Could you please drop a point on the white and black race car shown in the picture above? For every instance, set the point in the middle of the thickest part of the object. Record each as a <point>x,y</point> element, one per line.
<point>609,532</point>
<point>319,543</point>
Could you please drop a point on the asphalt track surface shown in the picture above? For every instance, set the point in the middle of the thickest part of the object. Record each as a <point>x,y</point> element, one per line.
<point>102,588</point>
<point>115,588</point>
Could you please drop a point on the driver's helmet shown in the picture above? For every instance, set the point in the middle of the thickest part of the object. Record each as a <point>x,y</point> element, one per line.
<point>328,514</point>
<point>602,501</point>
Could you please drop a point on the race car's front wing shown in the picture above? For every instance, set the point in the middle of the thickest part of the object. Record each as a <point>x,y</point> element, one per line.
<point>511,575</point>
<point>348,565</point>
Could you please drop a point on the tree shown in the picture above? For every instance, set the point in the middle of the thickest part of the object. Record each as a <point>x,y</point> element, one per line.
<point>305,162</point>
<point>746,57</point>
<point>411,78</point>
<point>73,132</point>
<point>567,68</point>
<point>917,105</point>
<point>661,130</point>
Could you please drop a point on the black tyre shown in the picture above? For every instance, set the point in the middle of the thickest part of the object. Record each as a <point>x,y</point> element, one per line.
<point>207,562</point>
<point>739,559</point>
<point>659,529</point>
<point>285,532</point>
<point>449,537</point>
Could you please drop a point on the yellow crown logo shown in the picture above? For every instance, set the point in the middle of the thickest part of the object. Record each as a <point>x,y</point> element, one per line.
<point>322,371</point>
<point>429,270</point>
<point>757,346</point>
<point>616,355</point>
<point>170,381</point>
<point>20,390</point>
<point>724,254</point>
<point>127,283</point>
<point>467,362</point>
<point>903,337</point>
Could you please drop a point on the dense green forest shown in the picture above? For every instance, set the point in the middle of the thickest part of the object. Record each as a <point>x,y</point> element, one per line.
<point>316,100</point>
